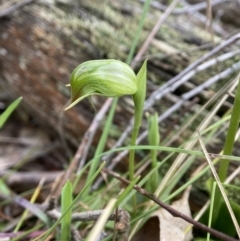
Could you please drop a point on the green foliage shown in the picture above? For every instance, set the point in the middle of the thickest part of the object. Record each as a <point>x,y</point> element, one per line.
<point>66,208</point>
<point>232,130</point>
<point>138,99</point>
<point>3,188</point>
<point>76,199</point>
<point>228,147</point>
<point>154,140</point>
<point>5,115</point>
<point>211,208</point>
<point>3,118</point>
<point>223,222</point>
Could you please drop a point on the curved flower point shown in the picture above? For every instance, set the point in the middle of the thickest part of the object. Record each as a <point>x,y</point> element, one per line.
<point>110,78</point>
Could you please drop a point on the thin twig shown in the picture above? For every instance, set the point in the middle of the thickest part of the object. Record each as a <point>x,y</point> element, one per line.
<point>9,235</point>
<point>188,9</point>
<point>171,210</point>
<point>26,178</point>
<point>81,154</point>
<point>159,93</point>
<point>88,136</point>
<point>154,31</point>
<point>120,216</point>
<point>203,19</point>
<point>194,10</point>
<point>10,10</point>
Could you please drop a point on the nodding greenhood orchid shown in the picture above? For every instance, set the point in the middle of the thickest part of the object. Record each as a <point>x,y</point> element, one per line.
<point>110,78</point>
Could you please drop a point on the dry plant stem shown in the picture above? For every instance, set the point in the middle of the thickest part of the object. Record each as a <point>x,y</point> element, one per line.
<point>22,140</point>
<point>121,218</point>
<point>171,210</point>
<point>209,23</point>
<point>8,236</point>
<point>13,8</point>
<point>24,178</point>
<point>49,204</point>
<point>81,154</point>
<point>193,9</point>
<point>158,94</point>
<point>122,215</point>
<point>31,207</point>
<point>188,9</point>
<point>88,136</point>
<point>186,109</point>
<point>55,214</point>
<point>154,31</point>
<point>203,19</point>
<point>75,234</point>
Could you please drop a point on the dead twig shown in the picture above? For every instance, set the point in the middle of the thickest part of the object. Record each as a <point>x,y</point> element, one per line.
<point>24,178</point>
<point>159,93</point>
<point>192,8</point>
<point>10,10</point>
<point>82,151</point>
<point>171,210</point>
<point>154,31</point>
<point>120,216</point>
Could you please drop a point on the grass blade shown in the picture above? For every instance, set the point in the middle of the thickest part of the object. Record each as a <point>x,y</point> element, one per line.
<point>66,209</point>
<point>233,126</point>
<point>5,115</point>
<point>97,229</point>
<point>224,195</point>
<point>211,208</point>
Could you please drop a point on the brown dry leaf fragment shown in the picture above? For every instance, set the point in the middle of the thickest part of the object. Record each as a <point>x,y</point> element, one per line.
<point>162,226</point>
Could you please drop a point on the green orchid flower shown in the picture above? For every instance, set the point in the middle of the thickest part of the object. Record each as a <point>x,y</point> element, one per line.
<point>111,78</point>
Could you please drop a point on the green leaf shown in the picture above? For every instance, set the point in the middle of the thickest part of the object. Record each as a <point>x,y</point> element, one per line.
<point>66,210</point>
<point>140,95</point>
<point>153,139</point>
<point>232,130</point>
<point>5,115</point>
<point>223,222</point>
<point>153,132</point>
<point>4,188</point>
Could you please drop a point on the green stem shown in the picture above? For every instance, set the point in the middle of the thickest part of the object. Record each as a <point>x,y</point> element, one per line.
<point>132,161</point>
<point>230,139</point>
<point>132,152</point>
<point>138,99</point>
<point>227,150</point>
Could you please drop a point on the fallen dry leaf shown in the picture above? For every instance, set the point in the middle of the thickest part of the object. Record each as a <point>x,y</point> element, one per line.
<point>162,226</point>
